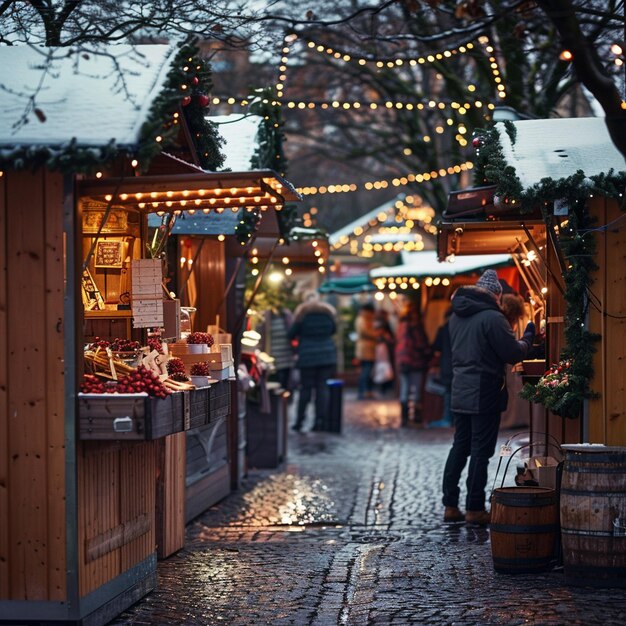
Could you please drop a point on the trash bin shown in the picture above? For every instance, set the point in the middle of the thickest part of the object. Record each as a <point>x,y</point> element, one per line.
<point>335,405</point>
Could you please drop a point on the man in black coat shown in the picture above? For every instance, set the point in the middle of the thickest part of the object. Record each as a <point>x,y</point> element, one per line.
<point>482,343</point>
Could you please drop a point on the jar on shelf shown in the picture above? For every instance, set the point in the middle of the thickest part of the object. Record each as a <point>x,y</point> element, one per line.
<point>185,321</point>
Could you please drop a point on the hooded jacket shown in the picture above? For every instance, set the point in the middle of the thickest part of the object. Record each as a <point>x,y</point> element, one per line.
<point>482,342</point>
<point>314,326</point>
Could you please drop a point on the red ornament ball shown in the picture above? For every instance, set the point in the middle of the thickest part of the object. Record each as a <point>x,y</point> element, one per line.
<point>186,100</point>
<point>203,100</point>
<point>476,142</point>
<point>195,80</point>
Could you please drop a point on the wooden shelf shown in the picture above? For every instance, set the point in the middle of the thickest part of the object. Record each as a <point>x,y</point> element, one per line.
<point>109,313</point>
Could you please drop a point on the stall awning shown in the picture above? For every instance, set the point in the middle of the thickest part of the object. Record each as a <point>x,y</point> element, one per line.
<point>203,192</point>
<point>201,224</point>
<point>424,264</point>
<point>348,285</point>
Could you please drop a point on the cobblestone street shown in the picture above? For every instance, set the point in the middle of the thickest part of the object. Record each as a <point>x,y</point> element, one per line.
<point>349,532</point>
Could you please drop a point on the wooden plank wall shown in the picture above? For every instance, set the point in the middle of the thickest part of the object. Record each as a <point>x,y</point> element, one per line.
<point>564,430</point>
<point>4,399</point>
<point>170,509</point>
<point>607,413</point>
<point>32,456</point>
<point>209,278</point>
<point>116,504</point>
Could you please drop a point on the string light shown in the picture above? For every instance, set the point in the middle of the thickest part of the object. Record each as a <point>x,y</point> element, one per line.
<point>388,61</point>
<point>282,68</point>
<point>384,184</point>
<point>493,64</point>
<point>399,221</point>
<point>461,107</point>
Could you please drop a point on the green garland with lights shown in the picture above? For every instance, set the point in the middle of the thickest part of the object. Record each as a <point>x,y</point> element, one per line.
<point>269,154</point>
<point>186,88</point>
<point>578,245</point>
<point>67,158</point>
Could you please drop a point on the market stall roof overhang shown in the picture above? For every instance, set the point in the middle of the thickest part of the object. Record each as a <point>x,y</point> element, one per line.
<point>425,264</point>
<point>533,152</point>
<point>206,192</point>
<point>472,224</point>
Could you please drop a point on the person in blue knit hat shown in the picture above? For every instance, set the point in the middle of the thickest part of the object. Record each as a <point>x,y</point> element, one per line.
<point>482,343</point>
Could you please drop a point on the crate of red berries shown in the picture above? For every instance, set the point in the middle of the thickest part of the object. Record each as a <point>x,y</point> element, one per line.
<point>137,407</point>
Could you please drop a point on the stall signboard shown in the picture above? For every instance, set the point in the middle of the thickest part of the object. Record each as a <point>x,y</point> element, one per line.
<point>116,221</point>
<point>109,254</point>
<point>147,294</point>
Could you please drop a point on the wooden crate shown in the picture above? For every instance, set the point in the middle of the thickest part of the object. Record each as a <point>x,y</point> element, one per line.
<point>219,400</point>
<point>129,417</point>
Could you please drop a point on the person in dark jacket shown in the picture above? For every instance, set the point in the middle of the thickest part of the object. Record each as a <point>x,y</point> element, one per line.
<point>412,357</point>
<point>442,347</point>
<point>482,343</point>
<point>314,324</point>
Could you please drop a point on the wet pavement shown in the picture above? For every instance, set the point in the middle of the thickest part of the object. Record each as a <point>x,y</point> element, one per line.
<point>349,532</point>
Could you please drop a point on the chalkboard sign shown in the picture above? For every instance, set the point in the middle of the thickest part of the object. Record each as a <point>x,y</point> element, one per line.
<point>109,254</point>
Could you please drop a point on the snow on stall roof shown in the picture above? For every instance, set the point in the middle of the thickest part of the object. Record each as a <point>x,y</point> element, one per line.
<point>362,221</point>
<point>557,148</point>
<point>91,97</point>
<point>426,264</point>
<point>240,134</point>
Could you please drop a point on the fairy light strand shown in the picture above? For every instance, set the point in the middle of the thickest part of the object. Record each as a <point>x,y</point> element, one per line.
<point>460,107</point>
<point>384,183</point>
<point>389,62</point>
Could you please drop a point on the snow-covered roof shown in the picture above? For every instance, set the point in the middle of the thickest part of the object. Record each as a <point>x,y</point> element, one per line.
<point>363,220</point>
<point>90,97</point>
<point>558,148</point>
<point>425,263</point>
<point>240,134</point>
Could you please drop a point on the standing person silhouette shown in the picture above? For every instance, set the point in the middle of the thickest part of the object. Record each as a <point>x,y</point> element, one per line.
<point>314,324</point>
<point>442,347</point>
<point>412,357</point>
<point>482,342</point>
<point>366,338</point>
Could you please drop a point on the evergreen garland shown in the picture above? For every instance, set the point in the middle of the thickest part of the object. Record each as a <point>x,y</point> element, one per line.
<point>269,154</point>
<point>186,87</point>
<point>579,249</point>
<point>67,158</point>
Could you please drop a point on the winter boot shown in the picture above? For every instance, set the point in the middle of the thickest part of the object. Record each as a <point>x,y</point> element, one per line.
<point>453,515</point>
<point>404,412</point>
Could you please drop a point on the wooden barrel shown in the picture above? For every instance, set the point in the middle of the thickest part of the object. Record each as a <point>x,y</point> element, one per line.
<point>593,516</point>
<point>524,529</point>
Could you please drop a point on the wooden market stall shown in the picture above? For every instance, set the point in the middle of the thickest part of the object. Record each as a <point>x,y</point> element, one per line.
<point>92,486</point>
<point>209,255</point>
<point>556,198</point>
